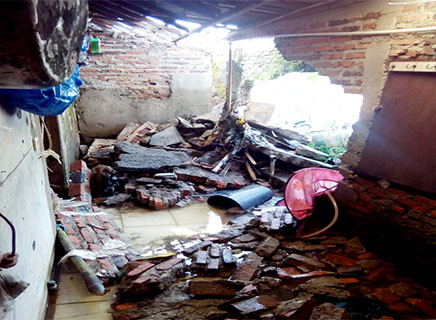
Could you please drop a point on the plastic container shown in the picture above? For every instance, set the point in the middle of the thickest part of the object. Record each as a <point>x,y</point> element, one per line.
<point>95,45</point>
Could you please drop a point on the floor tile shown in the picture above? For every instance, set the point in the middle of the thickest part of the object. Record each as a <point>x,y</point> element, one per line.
<point>72,289</point>
<point>144,218</point>
<point>83,311</point>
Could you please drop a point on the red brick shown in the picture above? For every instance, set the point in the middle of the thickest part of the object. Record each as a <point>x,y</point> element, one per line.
<point>405,41</point>
<point>124,306</point>
<point>169,263</point>
<point>345,47</point>
<point>401,307</point>
<point>105,263</point>
<point>111,231</point>
<point>377,192</point>
<point>340,260</point>
<point>79,222</point>
<point>433,213</point>
<point>140,269</point>
<point>103,218</point>
<point>333,56</point>
<point>423,305</point>
<point>369,26</point>
<point>324,48</point>
<point>353,90</point>
<point>76,189</point>
<point>350,28</point>
<point>349,280</point>
<point>355,55</point>
<point>76,242</point>
<point>330,73</point>
<point>365,197</point>
<point>371,15</point>
<point>366,255</point>
<point>397,208</point>
<point>362,45</point>
<point>386,296</point>
<point>69,228</point>
<point>86,235</point>
<point>78,165</point>
<point>407,202</point>
<point>359,208</point>
<point>93,247</point>
<point>91,219</point>
<point>340,39</point>
<point>377,274</point>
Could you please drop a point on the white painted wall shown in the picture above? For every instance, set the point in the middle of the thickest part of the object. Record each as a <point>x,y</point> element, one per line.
<point>24,199</point>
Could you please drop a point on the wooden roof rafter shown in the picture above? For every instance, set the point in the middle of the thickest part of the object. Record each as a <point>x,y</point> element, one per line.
<point>225,17</point>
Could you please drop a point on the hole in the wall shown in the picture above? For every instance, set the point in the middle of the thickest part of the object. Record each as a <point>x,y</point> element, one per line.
<point>289,94</point>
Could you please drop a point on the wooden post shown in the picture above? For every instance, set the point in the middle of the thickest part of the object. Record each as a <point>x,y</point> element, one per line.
<point>229,80</point>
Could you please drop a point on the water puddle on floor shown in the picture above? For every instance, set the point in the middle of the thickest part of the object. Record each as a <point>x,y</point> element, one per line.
<point>160,232</point>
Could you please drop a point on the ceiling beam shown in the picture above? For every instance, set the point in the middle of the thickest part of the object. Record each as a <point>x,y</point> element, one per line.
<point>286,15</point>
<point>225,17</point>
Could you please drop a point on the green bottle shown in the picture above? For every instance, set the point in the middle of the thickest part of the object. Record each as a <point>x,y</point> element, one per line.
<point>95,45</point>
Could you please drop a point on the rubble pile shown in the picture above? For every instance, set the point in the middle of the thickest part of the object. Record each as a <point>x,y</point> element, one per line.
<point>250,271</point>
<point>94,235</point>
<point>161,166</point>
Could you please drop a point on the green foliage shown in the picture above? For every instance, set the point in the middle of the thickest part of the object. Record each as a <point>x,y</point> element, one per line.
<point>333,152</point>
<point>278,66</point>
<point>219,87</point>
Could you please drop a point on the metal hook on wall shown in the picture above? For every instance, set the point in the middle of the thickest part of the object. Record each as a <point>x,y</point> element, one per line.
<point>9,259</point>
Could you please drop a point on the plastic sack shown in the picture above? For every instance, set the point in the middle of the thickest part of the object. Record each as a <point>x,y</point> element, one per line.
<point>44,102</point>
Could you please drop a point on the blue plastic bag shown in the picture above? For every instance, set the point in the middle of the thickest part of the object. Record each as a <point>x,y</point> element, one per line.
<point>44,102</point>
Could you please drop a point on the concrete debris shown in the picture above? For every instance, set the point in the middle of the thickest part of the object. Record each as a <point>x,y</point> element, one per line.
<point>215,288</point>
<point>328,311</point>
<point>167,137</point>
<point>267,247</point>
<point>255,304</point>
<point>134,158</point>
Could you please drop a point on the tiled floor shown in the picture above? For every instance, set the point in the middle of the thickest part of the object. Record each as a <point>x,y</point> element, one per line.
<point>147,229</point>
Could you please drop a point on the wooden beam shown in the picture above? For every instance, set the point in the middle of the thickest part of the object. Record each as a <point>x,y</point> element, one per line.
<point>286,15</point>
<point>225,17</point>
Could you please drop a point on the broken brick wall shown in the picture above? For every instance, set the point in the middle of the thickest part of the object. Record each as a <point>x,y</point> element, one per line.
<point>141,78</point>
<point>359,63</point>
<point>397,220</point>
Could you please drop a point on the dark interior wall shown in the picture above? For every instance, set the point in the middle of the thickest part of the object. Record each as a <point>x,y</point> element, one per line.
<point>400,145</point>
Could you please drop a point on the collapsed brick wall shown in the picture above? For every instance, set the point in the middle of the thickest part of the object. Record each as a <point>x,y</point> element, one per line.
<point>342,58</point>
<point>142,65</point>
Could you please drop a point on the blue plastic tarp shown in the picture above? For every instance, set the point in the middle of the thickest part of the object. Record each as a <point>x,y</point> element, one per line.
<point>44,102</point>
